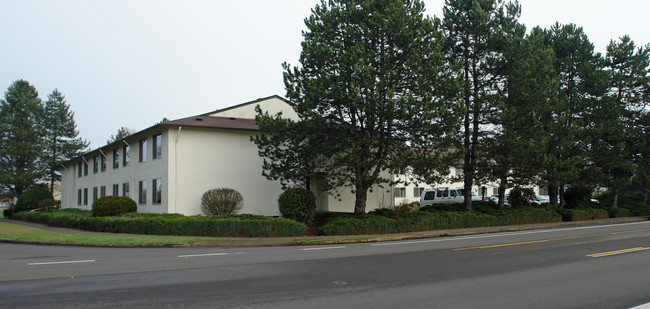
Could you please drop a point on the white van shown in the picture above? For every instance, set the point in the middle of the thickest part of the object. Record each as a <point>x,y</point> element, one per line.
<point>444,195</point>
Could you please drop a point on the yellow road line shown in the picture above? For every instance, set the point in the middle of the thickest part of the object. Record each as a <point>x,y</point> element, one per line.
<point>547,240</point>
<point>595,255</point>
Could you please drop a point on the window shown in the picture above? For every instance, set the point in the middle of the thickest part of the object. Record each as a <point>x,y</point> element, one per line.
<point>125,189</point>
<point>102,191</point>
<point>79,169</point>
<point>156,189</point>
<point>400,192</point>
<point>417,192</point>
<point>143,151</point>
<point>116,189</point>
<point>103,159</point>
<point>116,158</point>
<point>157,146</point>
<point>125,155</point>
<point>79,197</point>
<point>95,165</point>
<point>94,194</point>
<point>142,195</point>
<point>400,171</point>
<point>85,196</point>
<point>85,168</point>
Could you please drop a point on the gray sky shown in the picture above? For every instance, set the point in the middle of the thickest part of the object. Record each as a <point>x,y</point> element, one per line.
<point>133,62</point>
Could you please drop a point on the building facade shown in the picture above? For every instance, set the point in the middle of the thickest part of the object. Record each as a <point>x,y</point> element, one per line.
<point>167,167</point>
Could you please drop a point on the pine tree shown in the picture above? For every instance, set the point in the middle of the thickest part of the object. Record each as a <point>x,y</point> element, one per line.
<point>122,132</point>
<point>61,137</point>
<point>475,31</point>
<point>21,114</point>
<point>374,78</point>
<point>615,119</point>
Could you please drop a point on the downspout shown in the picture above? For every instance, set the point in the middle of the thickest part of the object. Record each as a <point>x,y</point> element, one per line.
<point>178,134</point>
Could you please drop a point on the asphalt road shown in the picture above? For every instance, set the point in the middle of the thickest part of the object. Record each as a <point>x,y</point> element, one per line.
<point>584,267</point>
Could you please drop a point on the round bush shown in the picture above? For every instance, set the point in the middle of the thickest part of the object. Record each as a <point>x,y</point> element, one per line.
<point>30,198</point>
<point>298,204</point>
<point>221,201</point>
<point>107,206</point>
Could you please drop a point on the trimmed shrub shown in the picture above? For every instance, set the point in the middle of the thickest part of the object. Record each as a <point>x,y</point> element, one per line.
<point>569,215</point>
<point>298,204</point>
<point>30,198</point>
<point>8,213</point>
<point>619,212</point>
<point>221,201</point>
<point>108,206</point>
<point>170,224</point>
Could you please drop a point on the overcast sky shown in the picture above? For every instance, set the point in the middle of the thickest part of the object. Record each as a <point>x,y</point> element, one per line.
<point>133,62</point>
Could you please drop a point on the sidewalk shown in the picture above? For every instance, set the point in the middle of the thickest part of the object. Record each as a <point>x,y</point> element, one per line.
<point>326,240</point>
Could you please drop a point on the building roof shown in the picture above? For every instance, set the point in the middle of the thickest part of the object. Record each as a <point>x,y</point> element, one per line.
<point>212,122</point>
<point>248,103</point>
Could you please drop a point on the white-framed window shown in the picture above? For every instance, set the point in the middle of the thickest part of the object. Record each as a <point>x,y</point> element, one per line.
<point>116,189</point>
<point>156,190</point>
<point>95,165</point>
<point>417,192</point>
<point>103,163</point>
<point>157,146</point>
<point>400,171</point>
<point>85,168</point>
<point>79,169</point>
<point>85,196</point>
<point>400,192</point>
<point>95,192</point>
<point>79,197</point>
<point>102,191</point>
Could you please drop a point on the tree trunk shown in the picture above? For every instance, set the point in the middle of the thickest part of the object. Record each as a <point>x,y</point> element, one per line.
<point>360,201</point>
<point>552,194</point>
<point>502,195</point>
<point>561,195</point>
<point>614,202</point>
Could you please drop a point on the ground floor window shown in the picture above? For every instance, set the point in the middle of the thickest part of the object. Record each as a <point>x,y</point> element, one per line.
<point>85,196</point>
<point>400,192</point>
<point>142,196</point>
<point>102,191</point>
<point>116,188</point>
<point>417,192</point>
<point>156,189</point>
<point>94,194</point>
<point>79,197</point>
<point>125,189</point>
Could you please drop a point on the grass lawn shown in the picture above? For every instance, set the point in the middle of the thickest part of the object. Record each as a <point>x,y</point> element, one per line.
<point>13,232</point>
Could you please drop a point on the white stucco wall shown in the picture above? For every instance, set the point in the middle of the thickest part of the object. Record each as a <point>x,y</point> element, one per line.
<point>207,159</point>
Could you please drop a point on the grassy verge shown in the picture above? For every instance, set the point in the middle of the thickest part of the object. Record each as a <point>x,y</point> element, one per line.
<point>10,232</point>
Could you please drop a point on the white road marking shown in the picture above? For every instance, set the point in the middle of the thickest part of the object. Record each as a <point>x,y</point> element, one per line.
<point>61,262</point>
<point>498,235</point>
<point>210,254</point>
<point>322,248</point>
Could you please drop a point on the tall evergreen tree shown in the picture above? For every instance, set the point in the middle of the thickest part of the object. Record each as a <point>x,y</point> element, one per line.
<point>21,114</point>
<point>61,137</point>
<point>581,85</point>
<point>474,32</point>
<point>615,119</point>
<point>374,78</point>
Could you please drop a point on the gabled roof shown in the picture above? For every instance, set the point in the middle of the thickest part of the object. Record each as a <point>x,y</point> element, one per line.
<point>247,103</point>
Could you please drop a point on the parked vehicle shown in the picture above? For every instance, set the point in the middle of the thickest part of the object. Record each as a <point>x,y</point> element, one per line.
<point>444,195</point>
<point>495,198</point>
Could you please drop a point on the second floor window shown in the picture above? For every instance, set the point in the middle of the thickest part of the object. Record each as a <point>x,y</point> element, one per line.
<point>157,146</point>
<point>126,157</point>
<point>95,165</point>
<point>103,163</point>
<point>143,151</point>
<point>116,158</point>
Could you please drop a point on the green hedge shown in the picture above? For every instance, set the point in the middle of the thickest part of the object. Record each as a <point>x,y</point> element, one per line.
<point>170,224</point>
<point>107,206</point>
<point>582,214</point>
<point>619,212</point>
<point>387,221</point>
